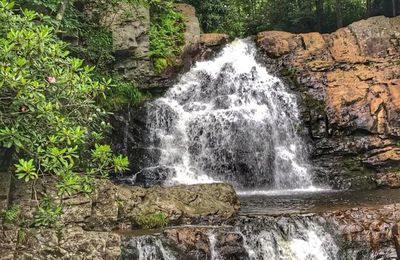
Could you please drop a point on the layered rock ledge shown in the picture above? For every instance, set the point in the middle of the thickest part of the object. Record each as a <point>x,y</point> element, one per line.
<point>92,227</point>
<point>117,207</point>
<point>350,86</point>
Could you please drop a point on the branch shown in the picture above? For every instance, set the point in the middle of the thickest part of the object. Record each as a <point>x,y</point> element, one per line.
<point>62,9</point>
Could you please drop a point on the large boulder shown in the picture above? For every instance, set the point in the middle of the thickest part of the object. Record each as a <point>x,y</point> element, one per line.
<point>350,86</point>
<point>113,206</point>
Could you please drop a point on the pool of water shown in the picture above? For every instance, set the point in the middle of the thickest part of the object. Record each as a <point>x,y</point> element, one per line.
<point>313,201</point>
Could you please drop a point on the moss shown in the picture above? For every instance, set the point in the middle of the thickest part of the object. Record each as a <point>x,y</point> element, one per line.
<point>160,64</point>
<point>307,100</point>
<point>166,34</point>
<point>360,176</point>
<point>151,221</point>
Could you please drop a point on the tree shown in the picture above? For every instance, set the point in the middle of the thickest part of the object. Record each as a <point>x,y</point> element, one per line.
<point>48,110</point>
<point>339,13</point>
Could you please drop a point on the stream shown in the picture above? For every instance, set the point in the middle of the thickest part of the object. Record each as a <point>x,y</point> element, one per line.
<point>230,120</point>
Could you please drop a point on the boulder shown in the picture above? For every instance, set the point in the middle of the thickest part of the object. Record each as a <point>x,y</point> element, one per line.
<point>113,207</point>
<point>214,39</point>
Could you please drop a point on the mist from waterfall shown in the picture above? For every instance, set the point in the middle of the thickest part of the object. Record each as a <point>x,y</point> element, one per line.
<point>230,120</point>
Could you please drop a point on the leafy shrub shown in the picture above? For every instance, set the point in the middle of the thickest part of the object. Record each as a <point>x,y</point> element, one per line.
<point>122,92</point>
<point>151,221</point>
<point>11,214</point>
<point>47,212</point>
<point>47,107</point>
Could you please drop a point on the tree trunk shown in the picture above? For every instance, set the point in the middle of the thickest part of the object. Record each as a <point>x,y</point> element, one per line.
<point>369,6</point>
<point>319,9</point>
<point>339,14</point>
<point>62,9</point>
<point>394,7</point>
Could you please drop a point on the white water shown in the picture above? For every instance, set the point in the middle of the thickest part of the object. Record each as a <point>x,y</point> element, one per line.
<point>147,248</point>
<point>283,238</point>
<point>293,239</point>
<point>230,120</point>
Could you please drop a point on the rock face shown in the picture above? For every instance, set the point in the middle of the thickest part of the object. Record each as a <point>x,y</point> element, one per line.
<point>113,207</point>
<point>350,85</point>
<point>87,228</point>
<point>130,26</point>
<point>69,243</point>
<point>192,32</point>
<point>368,229</point>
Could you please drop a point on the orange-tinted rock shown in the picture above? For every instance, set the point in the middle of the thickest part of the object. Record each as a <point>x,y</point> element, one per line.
<point>375,36</point>
<point>355,73</point>
<point>313,41</point>
<point>277,43</point>
<point>213,39</point>
<point>367,224</point>
<point>343,46</point>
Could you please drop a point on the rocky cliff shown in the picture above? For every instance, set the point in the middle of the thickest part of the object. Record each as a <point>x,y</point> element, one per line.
<point>350,86</point>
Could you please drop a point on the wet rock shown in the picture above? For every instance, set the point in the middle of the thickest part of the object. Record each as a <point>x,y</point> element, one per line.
<point>391,180</point>
<point>231,246</point>
<point>192,241</point>
<point>149,177</point>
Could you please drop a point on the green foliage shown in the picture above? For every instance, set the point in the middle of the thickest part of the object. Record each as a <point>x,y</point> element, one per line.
<point>11,215</point>
<point>244,17</point>
<point>48,109</point>
<point>47,213</point>
<point>122,92</point>
<point>26,170</point>
<point>151,221</point>
<point>96,47</point>
<point>166,33</point>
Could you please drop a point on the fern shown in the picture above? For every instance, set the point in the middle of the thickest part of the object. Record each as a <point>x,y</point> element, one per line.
<point>11,214</point>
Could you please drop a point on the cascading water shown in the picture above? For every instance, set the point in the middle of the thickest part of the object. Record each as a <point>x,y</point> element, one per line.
<point>283,238</point>
<point>230,120</point>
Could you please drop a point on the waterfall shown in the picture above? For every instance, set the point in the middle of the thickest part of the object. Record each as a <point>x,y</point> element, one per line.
<point>146,248</point>
<point>295,238</point>
<point>229,120</point>
<point>283,238</point>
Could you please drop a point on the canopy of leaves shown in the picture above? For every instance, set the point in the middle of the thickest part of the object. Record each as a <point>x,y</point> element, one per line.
<point>247,17</point>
